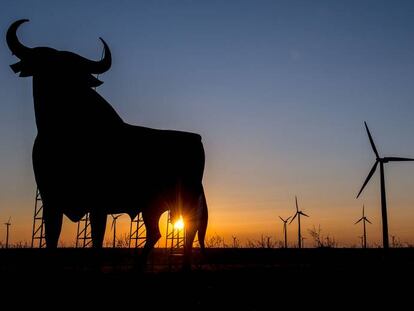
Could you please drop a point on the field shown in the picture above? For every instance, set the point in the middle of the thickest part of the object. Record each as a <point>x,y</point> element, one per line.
<point>248,279</point>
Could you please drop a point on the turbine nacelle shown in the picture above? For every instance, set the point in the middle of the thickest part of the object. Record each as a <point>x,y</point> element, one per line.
<point>363,219</point>
<point>379,159</point>
<point>285,220</point>
<point>298,212</point>
<point>8,223</point>
<point>114,218</point>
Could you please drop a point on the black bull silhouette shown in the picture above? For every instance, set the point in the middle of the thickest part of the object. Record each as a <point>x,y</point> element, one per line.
<point>87,159</point>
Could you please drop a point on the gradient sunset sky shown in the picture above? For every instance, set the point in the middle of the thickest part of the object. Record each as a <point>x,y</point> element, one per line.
<point>278,90</point>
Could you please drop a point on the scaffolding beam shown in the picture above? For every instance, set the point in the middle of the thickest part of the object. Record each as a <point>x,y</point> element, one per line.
<point>137,232</point>
<point>38,232</point>
<point>174,243</point>
<point>175,237</point>
<point>83,234</point>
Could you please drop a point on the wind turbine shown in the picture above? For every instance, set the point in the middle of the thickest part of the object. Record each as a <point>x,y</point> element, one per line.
<point>8,224</point>
<point>362,240</point>
<point>235,243</point>
<point>284,228</point>
<point>113,226</point>
<point>364,219</point>
<point>381,162</point>
<point>298,213</point>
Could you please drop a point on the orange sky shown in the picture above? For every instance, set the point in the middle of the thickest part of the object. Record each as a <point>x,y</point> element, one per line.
<point>248,216</point>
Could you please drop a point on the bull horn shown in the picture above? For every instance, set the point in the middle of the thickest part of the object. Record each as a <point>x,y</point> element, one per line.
<point>13,42</point>
<point>99,66</point>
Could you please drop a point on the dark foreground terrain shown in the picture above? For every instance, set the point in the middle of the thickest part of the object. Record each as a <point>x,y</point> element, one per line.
<point>242,279</point>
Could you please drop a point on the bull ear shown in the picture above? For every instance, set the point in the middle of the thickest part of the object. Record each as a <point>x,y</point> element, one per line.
<point>21,67</point>
<point>17,67</point>
<point>91,81</point>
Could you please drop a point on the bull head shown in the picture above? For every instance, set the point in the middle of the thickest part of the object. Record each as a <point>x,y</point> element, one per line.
<point>48,62</point>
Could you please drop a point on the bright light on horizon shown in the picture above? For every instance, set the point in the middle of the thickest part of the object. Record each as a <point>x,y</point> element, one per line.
<point>179,224</point>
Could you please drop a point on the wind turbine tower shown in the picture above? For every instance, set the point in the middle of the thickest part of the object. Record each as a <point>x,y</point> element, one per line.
<point>364,219</point>
<point>381,161</point>
<point>285,228</point>
<point>113,226</point>
<point>8,224</point>
<point>298,214</point>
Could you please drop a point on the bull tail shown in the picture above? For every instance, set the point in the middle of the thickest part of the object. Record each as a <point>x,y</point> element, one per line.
<point>202,229</point>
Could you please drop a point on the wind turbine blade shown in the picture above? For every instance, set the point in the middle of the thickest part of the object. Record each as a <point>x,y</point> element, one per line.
<point>371,141</point>
<point>368,220</point>
<point>9,220</point>
<point>288,218</point>
<point>368,177</point>
<point>397,159</point>
<point>281,219</point>
<point>363,210</point>
<point>293,218</point>
<point>302,213</point>
<point>358,221</point>
<point>296,201</point>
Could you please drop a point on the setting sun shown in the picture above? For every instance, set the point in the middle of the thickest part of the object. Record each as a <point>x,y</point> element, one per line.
<point>179,224</point>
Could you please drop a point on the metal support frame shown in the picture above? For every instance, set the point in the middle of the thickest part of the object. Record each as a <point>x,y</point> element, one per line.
<point>175,238</point>
<point>174,244</point>
<point>83,235</point>
<point>137,232</point>
<point>38,232</point>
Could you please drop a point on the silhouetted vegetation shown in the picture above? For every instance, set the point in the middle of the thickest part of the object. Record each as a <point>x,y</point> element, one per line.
<point>320,240</point>
<point>215,241</point>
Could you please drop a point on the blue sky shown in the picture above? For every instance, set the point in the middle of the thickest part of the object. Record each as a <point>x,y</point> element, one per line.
<point>279,91</point>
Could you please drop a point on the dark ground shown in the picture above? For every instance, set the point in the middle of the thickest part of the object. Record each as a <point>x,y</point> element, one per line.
<point>242,279</point>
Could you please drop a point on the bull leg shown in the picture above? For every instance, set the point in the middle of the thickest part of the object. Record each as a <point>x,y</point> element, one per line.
<point>53,225</point>
<point>192,224</point>
<point>98,224</point>
<point>202,228</point>
<point>190,232</point>
<point>152,232</point>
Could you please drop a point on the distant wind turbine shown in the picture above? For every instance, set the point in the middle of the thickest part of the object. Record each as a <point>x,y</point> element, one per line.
<point>362,240</point>
<point>8,224</point>
<point>394,241</point>
<point>381,162</point>
<point>364,219</point>
<point>298,213</point>
<point>235,243</point>
<point>113,226</point>
<point>284,228</point>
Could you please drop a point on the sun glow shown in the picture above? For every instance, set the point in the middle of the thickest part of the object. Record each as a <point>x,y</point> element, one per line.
<point>179,224</point>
